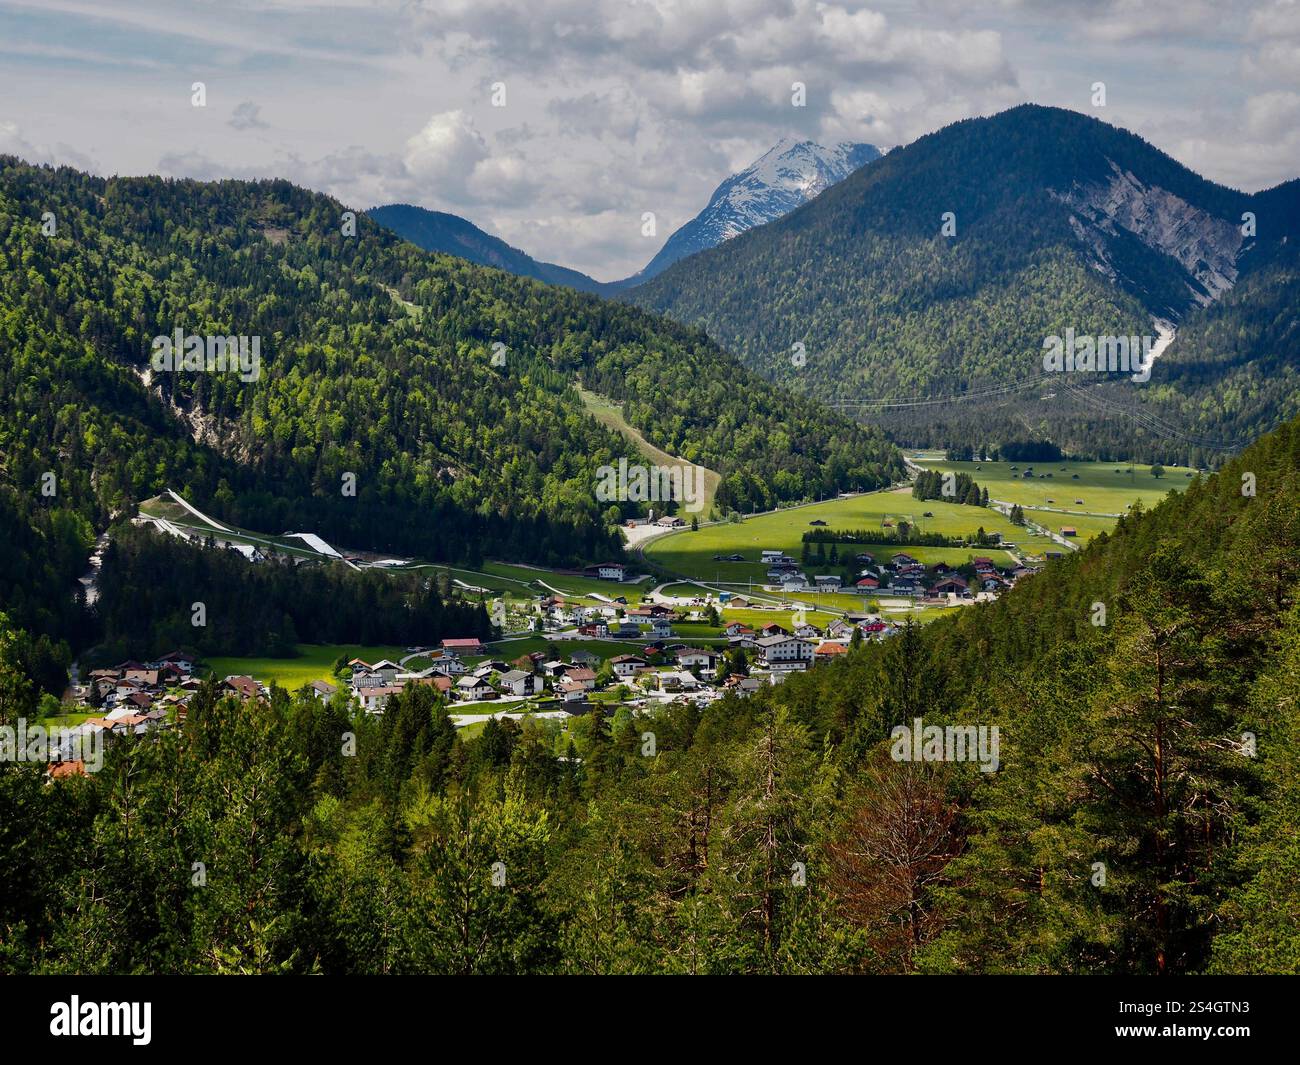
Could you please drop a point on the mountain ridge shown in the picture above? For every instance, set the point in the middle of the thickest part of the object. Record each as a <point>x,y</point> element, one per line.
<point>1054,219</point>
<point>454,235</point>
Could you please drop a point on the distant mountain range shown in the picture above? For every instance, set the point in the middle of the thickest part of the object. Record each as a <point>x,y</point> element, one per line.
<point>787,175</point>
<point>453,235</point>
<point>920,291</point>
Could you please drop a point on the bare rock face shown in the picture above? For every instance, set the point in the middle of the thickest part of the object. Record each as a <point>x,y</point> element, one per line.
<point>1206,247</point>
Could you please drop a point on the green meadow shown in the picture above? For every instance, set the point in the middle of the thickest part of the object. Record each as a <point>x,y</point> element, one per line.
<point>1098,488</point>
<point>313,662</point>
<point>690,554</point>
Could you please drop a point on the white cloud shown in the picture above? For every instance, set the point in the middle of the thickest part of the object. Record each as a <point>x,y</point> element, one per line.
<point>13,142</point>
<point>618,106</point>
<point>247,115</point>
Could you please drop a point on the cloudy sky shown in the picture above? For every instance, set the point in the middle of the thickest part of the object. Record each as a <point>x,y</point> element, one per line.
<point>615,107</point>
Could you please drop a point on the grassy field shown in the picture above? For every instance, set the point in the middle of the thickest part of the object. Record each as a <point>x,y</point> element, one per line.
<point>512,649</point>
<point>70,720</point>
<point>314,662</point>
<point>610,415</point>
<point>691,553</point>
<point>1102,488</point>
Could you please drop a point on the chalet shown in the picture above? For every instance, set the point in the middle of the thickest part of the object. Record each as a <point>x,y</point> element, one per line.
<point>322,690</point>
<point>244,687</point>
<point>584,658</point>
<point>865,558</point>
<point>840,628</point>
<point>773,629</point>
<point>660,627</point>
<point>693,658</point>
<point>554,668</point>
<point>572,691</point>
<point>867,583</point>
<point>626,629</point>
<point>736,628</point>
<point>771,556</point>
<point>147,677</point>
<point>1069,530</point>
<point>472,689</point>
<point>785,652</point>
<point>744,685</point>
<point>180,659</point>
<point>73,768</point>
<point>654,610</point>
<point>447,663</point>
<point>827,581</point>
<point>517,682</point>
<point>373,699</point>
<point>471,646</point>
<point>829,650</point>
<point>669,521</point>
<point>902,559</point>
<point>599,629</point>
<point>440,681</point>
<point>807,632</point>
<point>739,602</point>
<point>582,675</point>
<point>678,681</point>
<point>605,571</point>
<point>949,586</point>
<point>794,582</point>
<point>168,673</point>
<point>386,669</point>
<point>627,665</point>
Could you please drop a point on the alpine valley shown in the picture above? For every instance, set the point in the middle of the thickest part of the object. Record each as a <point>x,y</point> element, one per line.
<point>776,610</point>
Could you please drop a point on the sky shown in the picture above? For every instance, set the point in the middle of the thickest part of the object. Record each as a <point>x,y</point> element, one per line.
<point>556,124</point>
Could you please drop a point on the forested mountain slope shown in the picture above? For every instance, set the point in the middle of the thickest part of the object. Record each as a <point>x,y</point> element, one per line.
<point>1146,692</point>
<point>1054,220</point>
<point>444,387</point>
<point>1144,815</point>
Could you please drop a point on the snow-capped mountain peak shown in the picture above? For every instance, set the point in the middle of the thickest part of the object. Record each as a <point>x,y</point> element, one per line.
<point>786,176</point>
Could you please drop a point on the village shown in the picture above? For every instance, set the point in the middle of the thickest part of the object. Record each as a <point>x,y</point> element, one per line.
<point>623,655</point>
